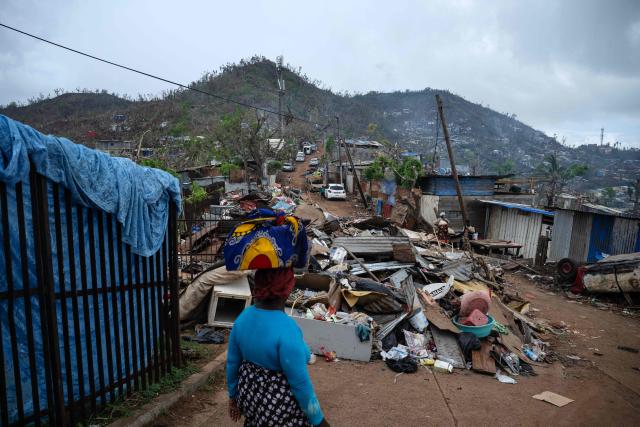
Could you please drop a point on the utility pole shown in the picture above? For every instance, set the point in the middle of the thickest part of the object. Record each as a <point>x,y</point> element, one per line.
<point>454,172</point>
<point>355,175</point>
<point>601,136</point>
<point>339,151</point>
<point>281,89</point>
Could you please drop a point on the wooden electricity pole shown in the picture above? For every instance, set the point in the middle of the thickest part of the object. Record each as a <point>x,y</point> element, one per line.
<point>355,177</point>
<point>454,172</point>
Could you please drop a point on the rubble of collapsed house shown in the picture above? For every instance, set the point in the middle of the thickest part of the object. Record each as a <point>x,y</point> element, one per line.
<point>377,290</point>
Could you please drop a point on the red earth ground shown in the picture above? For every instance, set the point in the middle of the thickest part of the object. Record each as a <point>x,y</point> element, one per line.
<point>605,386</point>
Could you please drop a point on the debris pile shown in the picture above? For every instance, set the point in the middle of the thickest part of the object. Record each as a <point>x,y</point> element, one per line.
<point>376,290</point>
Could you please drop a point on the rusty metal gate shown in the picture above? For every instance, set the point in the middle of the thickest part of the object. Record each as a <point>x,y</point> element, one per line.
<point>83,320</point>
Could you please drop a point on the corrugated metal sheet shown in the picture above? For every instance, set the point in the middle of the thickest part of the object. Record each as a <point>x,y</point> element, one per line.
<point>429,207</point>
<point>561,235</point>
<point>357,270</point>
<point>580,236</point>
<point>445,185</point>
<point>600,240</point>
<point>369,245</point>
<point>625,236</point>
<point>512,224</point>
<point>519,206</point>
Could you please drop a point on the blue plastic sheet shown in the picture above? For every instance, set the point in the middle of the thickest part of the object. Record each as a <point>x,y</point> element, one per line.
<point>138,196</point>
<point>140,199</point>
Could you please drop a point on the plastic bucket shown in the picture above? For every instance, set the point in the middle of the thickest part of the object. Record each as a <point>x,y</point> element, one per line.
<point>478,331</point>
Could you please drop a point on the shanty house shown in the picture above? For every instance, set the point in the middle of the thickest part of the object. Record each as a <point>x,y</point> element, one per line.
<point>589,232</point>
<point>439,195</point>
<point>519,223</point>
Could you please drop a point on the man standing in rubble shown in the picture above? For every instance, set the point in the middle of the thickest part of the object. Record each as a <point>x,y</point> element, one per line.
<point>442,225</point>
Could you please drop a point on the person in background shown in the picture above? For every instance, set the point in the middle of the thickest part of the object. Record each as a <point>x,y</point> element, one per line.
<point>267,376</point>
<point>443,228</point>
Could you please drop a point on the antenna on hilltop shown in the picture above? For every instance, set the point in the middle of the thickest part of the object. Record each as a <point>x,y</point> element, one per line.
<point>281,89</point>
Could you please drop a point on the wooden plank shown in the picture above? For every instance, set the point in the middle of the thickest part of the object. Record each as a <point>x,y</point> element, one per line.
<point>481,359</point>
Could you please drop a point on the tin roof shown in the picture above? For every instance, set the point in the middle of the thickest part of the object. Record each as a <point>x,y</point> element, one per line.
<point>519,206</point>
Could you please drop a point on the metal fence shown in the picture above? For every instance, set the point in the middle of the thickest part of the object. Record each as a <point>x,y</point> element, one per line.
<point>83,320</point>
<point>201,240</point>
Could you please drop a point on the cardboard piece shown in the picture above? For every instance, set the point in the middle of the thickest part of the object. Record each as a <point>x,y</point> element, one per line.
<point>321,282</point>
<point>553,398</point>
<point>435,314</point>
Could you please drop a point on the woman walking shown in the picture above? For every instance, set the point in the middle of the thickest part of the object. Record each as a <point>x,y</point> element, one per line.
<point>267,376</point>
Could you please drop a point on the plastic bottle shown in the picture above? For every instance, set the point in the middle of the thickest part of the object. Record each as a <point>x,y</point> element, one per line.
<point>530,353</point>
<point>427,362</point>
<point>444,367</point>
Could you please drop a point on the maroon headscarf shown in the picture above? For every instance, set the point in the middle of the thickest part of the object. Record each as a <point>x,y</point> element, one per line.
<point>273,283</point>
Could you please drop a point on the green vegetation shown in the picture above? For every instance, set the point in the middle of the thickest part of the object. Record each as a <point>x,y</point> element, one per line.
<point>273,167</point>
<point>409,170</point>
<point>227,167</point>
<point>158,164</point>
<point>558,175</point>
<point>124,407</point>
<point>609,194</point>
<point>406,172</point>
<point>505,168</point>
<point>329,144</point>
<point>181,125</point>
<point>198,194</point>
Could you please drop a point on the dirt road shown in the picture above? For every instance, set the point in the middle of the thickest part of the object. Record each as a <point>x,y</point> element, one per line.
<point>341,208</point>
<point>606,387</point>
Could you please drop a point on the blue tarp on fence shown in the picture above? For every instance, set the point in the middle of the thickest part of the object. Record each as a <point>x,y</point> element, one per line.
<point>139,198</point>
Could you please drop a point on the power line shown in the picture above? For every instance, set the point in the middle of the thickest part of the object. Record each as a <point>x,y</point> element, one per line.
<point>286,117</point>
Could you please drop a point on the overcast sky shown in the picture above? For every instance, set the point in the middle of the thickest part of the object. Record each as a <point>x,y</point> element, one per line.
<point>565,67</point>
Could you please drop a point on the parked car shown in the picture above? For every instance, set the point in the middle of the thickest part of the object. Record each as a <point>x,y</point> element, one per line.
<point>307,149</point>
<point>288,167</point>
<point>334,191</point>
<point>314,162</point>
<point>300,156</point>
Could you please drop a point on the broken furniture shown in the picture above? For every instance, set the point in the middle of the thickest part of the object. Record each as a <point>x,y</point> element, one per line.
<point>228,301</point>
<point>503,246</point>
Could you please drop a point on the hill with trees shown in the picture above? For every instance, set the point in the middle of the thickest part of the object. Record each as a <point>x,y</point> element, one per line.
<point>485,141</point>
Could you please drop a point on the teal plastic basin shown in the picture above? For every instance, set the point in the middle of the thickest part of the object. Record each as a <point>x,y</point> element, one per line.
<point>479,331</point>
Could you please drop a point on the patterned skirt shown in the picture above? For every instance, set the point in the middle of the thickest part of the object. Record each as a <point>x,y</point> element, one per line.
<point>265,398</point>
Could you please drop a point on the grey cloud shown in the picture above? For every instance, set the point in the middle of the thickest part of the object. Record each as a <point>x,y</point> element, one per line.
<point>566,67</point>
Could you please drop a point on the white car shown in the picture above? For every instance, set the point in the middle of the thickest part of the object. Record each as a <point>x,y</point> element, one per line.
<point>288,167</point>
<point>300,156</point>
<point>335,191</point>
<point>314,162</point>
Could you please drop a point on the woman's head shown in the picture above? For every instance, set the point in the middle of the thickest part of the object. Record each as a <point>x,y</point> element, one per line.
<point>273,284</point>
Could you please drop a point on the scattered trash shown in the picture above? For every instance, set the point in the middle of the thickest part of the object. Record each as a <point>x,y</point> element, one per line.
<point>442,366</point>
<point>406,365</point>
<point>629,349</point>
<point>439,290</point>
<point>553,398</point>
<point>206,335</point>
<point>505,379</point>
<point>329,356</point>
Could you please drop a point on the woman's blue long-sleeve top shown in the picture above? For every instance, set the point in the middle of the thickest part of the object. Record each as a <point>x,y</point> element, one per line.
<point>272,340</point>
